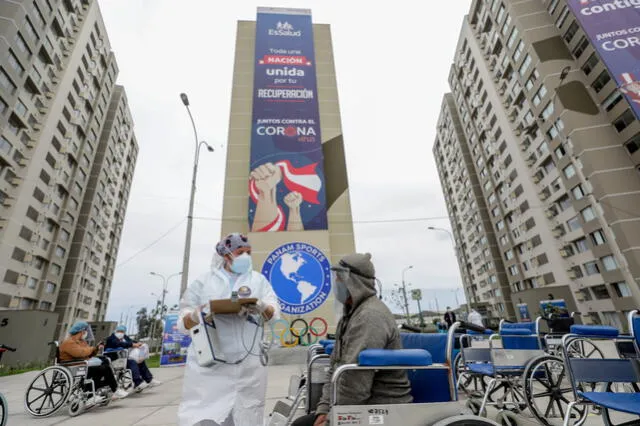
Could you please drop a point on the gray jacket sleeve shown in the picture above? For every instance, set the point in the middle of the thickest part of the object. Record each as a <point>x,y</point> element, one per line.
<point>365,331</point>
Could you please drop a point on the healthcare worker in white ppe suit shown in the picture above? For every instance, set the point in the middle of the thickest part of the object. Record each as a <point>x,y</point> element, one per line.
<point>231,394</point>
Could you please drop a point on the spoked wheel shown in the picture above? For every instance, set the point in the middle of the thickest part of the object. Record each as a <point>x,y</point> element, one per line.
<point>48,391</point>
<point>472,385</point>
<point>4,410</point>
<point>583,348</point>
<point>507,418</point>
<point>548,391</point>
<point>466,420</point>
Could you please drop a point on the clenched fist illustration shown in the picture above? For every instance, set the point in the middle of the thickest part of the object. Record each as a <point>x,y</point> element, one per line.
<point>293,200</point>
<point>266,177</point>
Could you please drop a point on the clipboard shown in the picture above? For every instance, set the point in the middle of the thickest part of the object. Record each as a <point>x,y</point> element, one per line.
<point>227,306</point>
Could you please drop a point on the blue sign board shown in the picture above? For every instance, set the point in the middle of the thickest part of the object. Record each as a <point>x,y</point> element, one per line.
<point>556,308</point>
<point>286,176</point>
<point>523,308</point>
<point>300,275</point>
<point>174,343</point>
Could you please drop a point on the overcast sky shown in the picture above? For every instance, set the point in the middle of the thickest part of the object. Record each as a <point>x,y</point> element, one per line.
<point>392,65</point>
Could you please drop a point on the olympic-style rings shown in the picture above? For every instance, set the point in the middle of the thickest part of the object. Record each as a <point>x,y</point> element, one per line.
<point>293,334</point>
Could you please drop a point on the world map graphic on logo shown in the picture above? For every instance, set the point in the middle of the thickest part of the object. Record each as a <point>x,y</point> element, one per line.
<point>300,276</point>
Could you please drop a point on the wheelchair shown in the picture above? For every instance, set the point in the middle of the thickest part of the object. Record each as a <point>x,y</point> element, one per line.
<point>66,384</point>
<point>427,359</point>
<point>594,381</point>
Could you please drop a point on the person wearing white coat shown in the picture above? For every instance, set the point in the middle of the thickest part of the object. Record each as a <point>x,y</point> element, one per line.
<point>227,394</point>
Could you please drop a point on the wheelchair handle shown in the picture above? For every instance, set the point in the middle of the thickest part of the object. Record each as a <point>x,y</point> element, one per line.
<point>472,327</point>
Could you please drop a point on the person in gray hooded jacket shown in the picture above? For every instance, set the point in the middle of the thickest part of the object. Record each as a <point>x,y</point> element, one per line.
<point>366,323</point>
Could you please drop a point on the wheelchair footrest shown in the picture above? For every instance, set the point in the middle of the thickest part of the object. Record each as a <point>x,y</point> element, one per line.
<point>282,408</point>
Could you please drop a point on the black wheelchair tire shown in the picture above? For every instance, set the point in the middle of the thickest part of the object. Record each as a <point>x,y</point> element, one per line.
<point>466,420</point>
<point>64,381</point>
<point>4,410</point>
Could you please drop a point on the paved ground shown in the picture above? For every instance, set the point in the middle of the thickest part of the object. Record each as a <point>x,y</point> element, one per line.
<point>157,406</point>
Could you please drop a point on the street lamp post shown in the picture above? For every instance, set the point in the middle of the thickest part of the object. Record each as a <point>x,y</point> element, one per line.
<point>404,294</point>
<point>187,244</point>
<point>455,251</point>
<point>165,281</point>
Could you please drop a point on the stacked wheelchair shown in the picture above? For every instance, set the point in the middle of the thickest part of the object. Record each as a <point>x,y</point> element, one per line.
<point>65,384</point>
<point>427,359</point>
<point>521,368</point>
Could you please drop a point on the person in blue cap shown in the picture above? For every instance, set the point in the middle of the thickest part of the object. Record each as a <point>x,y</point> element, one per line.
<point>75,347</point>
<point>142,377</point>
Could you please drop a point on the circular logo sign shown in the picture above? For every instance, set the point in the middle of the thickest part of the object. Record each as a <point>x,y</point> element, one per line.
<point>300,275</point>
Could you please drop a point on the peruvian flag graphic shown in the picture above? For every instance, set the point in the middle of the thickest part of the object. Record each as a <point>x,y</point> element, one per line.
<point>631,87</point>
<point>304,180</point>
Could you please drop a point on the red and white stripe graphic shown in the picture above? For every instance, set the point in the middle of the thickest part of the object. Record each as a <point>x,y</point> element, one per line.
<point>631,87</point>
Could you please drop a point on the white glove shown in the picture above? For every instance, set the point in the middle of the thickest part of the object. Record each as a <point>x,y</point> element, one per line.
<point>244,311</point>
<point>196,314</point>
<point>262,306</point>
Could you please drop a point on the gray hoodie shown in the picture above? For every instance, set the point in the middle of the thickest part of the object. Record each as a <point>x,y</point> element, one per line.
<point>366,324</point>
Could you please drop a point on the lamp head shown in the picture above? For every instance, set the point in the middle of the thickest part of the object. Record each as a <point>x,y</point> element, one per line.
<point>185,99</point>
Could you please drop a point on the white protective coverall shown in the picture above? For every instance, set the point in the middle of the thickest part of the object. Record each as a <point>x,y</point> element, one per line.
<point>214,393</point>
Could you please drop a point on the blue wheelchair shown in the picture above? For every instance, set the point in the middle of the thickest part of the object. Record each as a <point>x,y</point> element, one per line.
<point>428,361</point>
<point>594,381</point>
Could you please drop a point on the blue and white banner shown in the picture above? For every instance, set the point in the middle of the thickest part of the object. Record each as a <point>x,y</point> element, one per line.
<point>286,181</point>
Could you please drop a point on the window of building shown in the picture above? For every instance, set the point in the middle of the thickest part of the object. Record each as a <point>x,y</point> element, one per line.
<point>60,252</point>
<point>55,269</point>
<point>563,17</point>
<point>600,292</point>
<point>537,98</point>
<point>588,214</point>
<point>525,65</point>
<point>5,146</point>
<point>508,254</point>
<point>32,283</point>
<point>547,111</point>
<point>37,14</point>
<point>569,171</point>
<point>6,82</point>
<point>598,238</point>
<point>22,45</point>
<point>590,64</point>
<point>518,52</point>
<point>513,270</point>
<point>532,79</point>
<point>504,240</point>
<point>50,287</point>
<point>601,81</point>
<point>29,28</point>
<point>577,192</point>
<point>612,100</point>
<point>625,119</point>
<point>633,144</point>
<point>564,202</point>
<point>622,289</point>
<point>571,32</point>
<point>512,37</point>
<point>45,306</point>
<point>560,152</point>
<point>574,223</point>
<point>591,268</point>
<point>552,6</point>
<point>500,225</point>
<point>15,63</point>
<point>609,263</point>
<point>581,245</point>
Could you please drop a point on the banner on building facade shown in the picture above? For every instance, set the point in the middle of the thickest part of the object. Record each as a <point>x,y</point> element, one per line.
<point>523,309</point>
<point>174,343</point>
<point>613,27</point>
<point>286,176</point>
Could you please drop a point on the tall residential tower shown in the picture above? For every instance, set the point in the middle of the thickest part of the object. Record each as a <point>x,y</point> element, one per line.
<point>539,160</point>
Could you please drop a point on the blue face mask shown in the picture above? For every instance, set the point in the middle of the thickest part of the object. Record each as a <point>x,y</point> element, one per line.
<point>241,264</point>
<point>341,292</point>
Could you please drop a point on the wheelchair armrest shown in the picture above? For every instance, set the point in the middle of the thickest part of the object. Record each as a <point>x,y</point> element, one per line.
<point>594,330</point>
<point>73,362</point>
<point>391,357</point>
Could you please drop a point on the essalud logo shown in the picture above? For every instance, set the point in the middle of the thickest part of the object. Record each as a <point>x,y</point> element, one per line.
<point>285,29</point>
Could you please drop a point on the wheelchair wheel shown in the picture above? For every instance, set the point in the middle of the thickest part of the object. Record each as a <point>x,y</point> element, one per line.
<point>548,391</point>
<point>466,420</point>
<point>584,348</point>
<point>507,418</point>
<point>77,406</point>
<point>48,391</point>
<point>4,410</point>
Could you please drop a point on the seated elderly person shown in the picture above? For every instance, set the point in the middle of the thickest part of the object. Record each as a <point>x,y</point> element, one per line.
<point>366,323</point>
<point>142,377</point>
<point>75,347</point>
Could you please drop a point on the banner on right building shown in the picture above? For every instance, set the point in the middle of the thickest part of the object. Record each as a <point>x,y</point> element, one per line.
<point>613,27</point>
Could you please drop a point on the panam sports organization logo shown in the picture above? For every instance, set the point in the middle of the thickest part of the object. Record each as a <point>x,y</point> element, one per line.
<point>300,275</point>
<point>284,29</point>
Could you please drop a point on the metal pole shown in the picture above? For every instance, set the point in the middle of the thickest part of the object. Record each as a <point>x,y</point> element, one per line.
<point>404,295</point>
<point>420,313</point>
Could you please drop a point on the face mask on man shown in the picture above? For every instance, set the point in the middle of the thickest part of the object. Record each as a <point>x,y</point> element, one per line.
<point>120,336</point>
<point>241,264</point>
<point>341,292</point>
